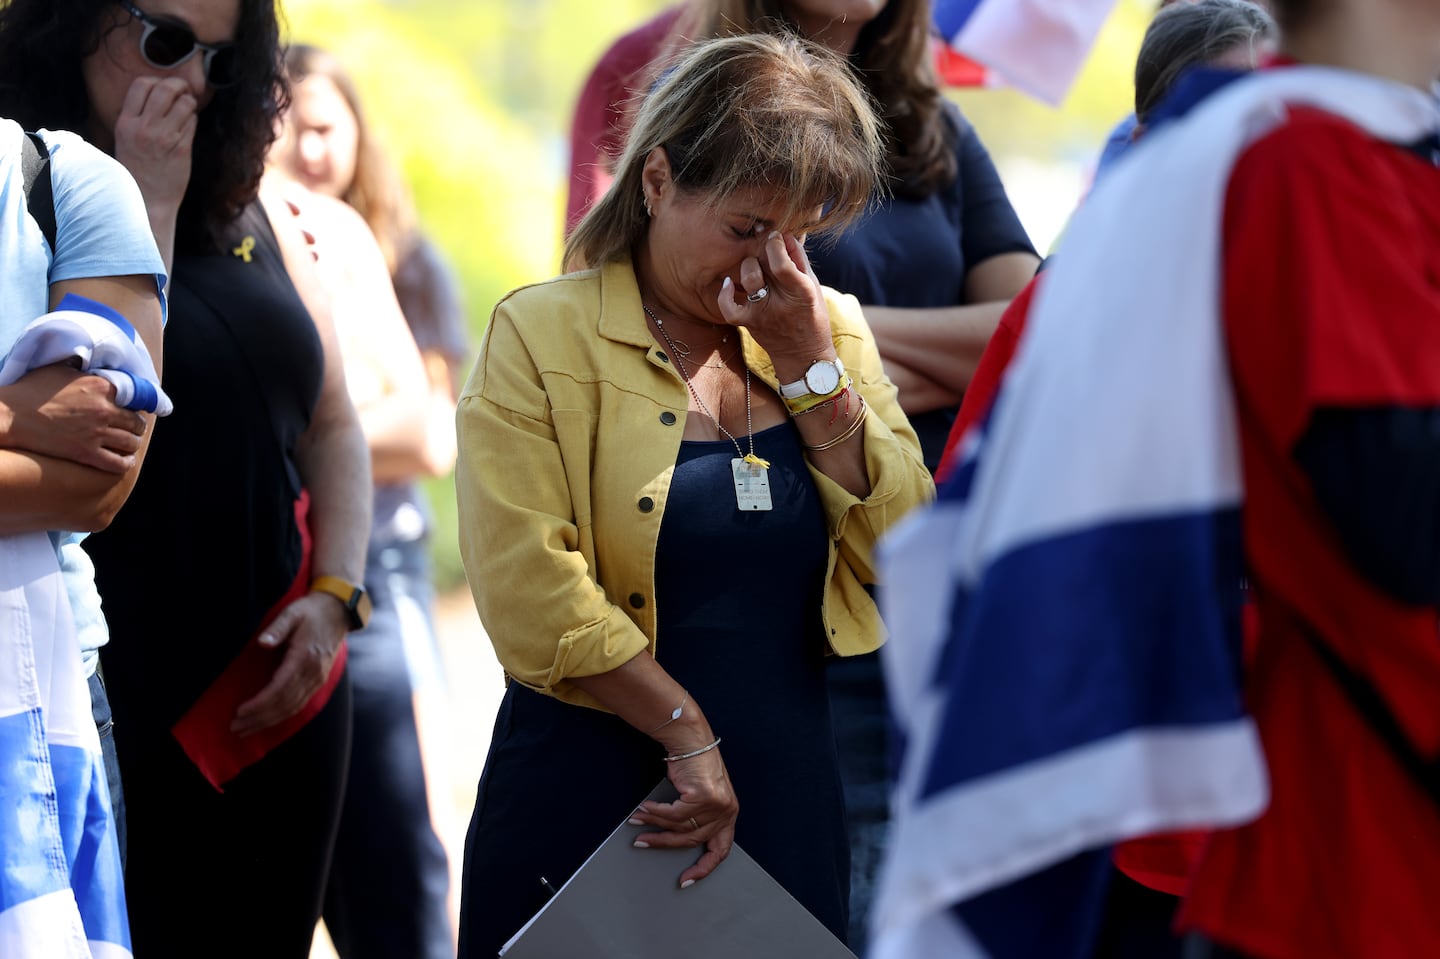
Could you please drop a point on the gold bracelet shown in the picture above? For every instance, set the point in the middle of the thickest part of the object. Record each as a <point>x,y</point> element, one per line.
<point>850,430</point>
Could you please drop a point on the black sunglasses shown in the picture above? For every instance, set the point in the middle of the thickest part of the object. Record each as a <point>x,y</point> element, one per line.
<point>167,45</point>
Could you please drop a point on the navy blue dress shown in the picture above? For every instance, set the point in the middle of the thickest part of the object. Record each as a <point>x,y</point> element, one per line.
<point>738,603</point>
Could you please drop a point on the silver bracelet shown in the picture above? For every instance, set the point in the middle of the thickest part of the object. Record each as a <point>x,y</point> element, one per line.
<point>691,755</point>
<point>673,716</point>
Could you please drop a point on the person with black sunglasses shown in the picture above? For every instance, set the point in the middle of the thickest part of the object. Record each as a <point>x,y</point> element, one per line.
<point>228,605</point>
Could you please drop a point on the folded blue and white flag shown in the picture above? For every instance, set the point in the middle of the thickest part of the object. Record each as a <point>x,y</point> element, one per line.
<point>1036,46</point>
<point>62,892</point>
<point>100,341</point>
<point>1063,667</point>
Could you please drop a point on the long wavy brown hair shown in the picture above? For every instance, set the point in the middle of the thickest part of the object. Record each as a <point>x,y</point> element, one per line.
<point>893,58</point>
<point>377,192</point>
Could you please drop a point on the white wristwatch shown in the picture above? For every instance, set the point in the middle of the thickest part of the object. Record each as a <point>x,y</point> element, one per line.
<point>822,378</point>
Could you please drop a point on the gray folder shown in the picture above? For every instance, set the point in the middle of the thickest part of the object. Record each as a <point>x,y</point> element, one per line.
<point>625,903</point>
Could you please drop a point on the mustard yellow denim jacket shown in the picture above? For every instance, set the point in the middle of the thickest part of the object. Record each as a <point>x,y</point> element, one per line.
<point>569,429</point>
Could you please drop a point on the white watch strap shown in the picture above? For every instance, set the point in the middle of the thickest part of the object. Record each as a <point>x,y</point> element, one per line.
<point>793,391</point>
<point>799,388</point>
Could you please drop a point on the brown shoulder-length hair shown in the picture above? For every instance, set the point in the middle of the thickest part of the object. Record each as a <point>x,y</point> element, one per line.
<point>377,192</point>
<point>893,58</point>
<point>738,112</point>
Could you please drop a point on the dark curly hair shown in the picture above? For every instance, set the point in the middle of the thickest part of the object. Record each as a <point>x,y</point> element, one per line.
<point>43,44</point>
<point>894,59</point>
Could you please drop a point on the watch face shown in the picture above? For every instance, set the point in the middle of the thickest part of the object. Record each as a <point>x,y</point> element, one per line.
<point>822,377</point>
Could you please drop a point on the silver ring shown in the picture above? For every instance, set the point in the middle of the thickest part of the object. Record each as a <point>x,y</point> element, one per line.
<point>693,824</point>
<point>758,295</point>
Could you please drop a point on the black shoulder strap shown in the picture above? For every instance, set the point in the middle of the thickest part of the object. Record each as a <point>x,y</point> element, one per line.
<point>39,194</point>
<point>1425,772</point>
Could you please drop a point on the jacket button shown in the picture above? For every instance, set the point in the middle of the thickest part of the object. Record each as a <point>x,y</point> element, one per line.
<point>637,601</point>
<point>646,504</point>
<point>668,418</point>
<point>662,357</point>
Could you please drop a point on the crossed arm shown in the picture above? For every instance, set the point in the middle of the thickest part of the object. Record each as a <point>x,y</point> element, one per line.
<point>931,354</point>
<point>69,456</point>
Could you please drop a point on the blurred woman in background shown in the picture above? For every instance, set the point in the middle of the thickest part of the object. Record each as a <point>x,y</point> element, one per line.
<point>389,885</point>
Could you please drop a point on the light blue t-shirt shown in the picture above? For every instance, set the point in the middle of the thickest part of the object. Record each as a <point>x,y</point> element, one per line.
<point>101,230</point>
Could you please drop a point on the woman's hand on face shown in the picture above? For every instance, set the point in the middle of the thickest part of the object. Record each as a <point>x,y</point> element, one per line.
<point>704,815</point>
<point>790,319</point>
<point>311,629</point>
<point>153,138</point>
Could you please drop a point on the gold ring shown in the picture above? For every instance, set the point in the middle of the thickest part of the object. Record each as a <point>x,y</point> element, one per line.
<point>693,824</point>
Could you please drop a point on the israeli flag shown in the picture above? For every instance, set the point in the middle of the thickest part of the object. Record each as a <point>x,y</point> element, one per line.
<point>97,340</point>
<point>1036,46</point>
<point>1063,667</point>
<point>61,889</point>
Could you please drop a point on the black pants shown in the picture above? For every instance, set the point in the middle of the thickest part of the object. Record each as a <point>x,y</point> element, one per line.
<point>1198,947</point>
<point>1137,922</point>
<point>389,879</point>
<point>239,873</point>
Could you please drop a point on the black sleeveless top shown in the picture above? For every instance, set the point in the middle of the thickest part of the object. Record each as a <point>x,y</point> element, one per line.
<point>208,541</point>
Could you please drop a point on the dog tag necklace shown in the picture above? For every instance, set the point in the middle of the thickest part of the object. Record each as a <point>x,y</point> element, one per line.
<point>750,473</point>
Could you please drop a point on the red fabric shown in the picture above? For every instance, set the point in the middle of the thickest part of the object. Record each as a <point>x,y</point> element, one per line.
<point>957,70</point>
<point>598,130</point>
<point>204,731</point>
<point>1164,863</point>
<point>986,381</point>
<point>1331,249</point>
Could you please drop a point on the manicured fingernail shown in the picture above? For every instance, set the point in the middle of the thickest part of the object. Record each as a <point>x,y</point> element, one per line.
<point>636,822</point>
<point>687,884</point>
<point>267,640</point>
<point>725,284</point>
<point>641,845</point>
<point>774,234</point>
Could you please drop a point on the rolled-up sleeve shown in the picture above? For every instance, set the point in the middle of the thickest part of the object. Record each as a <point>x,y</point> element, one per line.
<point>523,550</point>
<point>899,481</point>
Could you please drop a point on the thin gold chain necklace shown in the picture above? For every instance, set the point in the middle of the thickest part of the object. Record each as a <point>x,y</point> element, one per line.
<point>750,457</point>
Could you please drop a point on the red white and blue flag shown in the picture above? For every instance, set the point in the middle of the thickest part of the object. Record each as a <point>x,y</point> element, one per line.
<point>1036,46</point>
<point>1064,661</point>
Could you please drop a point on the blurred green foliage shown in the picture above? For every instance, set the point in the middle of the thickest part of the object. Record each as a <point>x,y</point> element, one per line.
<point>474,100</point>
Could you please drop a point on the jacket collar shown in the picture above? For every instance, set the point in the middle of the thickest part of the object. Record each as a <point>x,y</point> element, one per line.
<point>622,318</point>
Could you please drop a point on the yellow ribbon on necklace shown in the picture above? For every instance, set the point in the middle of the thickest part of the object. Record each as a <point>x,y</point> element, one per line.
<point>754,460</point>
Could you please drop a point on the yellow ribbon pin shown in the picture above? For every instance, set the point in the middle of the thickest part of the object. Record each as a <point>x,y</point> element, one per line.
<point>246,247</point>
